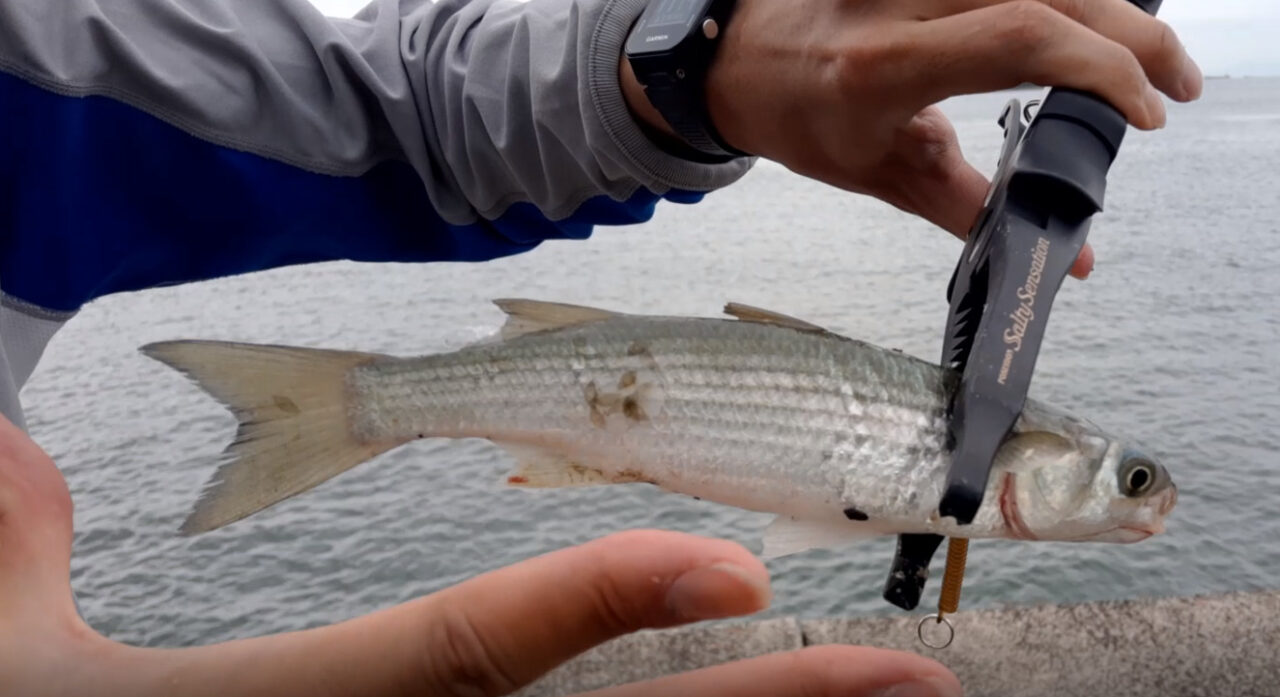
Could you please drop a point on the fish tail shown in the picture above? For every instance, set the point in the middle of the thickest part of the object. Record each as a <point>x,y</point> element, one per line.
<point>293,429</point>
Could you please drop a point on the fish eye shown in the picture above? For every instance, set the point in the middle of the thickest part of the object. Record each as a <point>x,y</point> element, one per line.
<point>1138,476</point>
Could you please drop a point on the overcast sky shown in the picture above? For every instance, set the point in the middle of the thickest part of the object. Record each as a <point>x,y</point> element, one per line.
<point>1237,37</point>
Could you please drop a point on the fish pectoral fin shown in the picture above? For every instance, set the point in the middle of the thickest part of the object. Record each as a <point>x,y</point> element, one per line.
<point>529,316</point>
<point>787,535</point>
<point>539,469</point>
<point>747,313</point>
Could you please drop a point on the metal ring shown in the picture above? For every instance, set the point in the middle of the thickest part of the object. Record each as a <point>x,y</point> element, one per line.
<point>1027,115</point>
<point>937,619</point>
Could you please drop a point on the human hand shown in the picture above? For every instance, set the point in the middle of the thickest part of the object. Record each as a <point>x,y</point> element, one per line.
<point>488,636</point>
<point>843,90</point>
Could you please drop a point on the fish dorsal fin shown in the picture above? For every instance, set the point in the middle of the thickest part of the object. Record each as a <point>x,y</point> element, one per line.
<point>529,316</point>
<point>747,313</point>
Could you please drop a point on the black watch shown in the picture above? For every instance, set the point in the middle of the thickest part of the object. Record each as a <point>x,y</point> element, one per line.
<point>670,49</point>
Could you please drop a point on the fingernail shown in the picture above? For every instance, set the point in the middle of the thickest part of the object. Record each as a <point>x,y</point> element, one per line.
<point>1087,271</point>
<point>922,687</point>
<point>1192,80</point>
<point>1155,107</point>
<point>719,590</point>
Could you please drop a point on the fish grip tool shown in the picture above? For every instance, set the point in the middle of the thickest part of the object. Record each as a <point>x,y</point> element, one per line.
<point>1049,183</point>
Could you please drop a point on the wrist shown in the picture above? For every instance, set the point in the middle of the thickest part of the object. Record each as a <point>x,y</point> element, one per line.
<point>647,116</point>
<point>640,142</point>
<point>665,69</point>
<point>724,89</point>
<point>656,128</point>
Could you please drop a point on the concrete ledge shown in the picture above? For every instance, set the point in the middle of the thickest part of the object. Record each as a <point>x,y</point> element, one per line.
<point>1218,645</point>
<point>1224,645</point>
<point>652,654</point>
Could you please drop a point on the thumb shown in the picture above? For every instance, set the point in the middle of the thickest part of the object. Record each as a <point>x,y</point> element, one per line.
<point>502,630</point>
<point>35,526</point>
<point>954,199</point>
<point>925,173</point>
<point>487,636</point>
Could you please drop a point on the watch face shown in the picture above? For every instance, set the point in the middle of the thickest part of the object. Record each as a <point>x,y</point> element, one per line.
<point>665,23</point>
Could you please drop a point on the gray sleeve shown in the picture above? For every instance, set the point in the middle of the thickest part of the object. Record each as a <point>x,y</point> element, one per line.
<point>541,79</point>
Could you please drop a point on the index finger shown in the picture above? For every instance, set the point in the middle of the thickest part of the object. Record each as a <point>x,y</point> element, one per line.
<point>1006,44</point>
<point>1152,41</point>
<point>504,629</point>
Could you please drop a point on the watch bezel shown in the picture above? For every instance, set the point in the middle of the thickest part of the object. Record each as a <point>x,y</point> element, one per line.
<point>641,43</point>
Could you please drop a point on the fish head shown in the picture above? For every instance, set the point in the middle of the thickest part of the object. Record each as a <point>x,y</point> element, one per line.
<point>1136,494</point>
<point>1062,478</point>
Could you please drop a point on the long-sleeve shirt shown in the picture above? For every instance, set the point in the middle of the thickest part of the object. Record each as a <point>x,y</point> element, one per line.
<point>153,142</point>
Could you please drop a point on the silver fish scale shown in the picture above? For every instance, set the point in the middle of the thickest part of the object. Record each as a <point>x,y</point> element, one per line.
<point>747,414</point>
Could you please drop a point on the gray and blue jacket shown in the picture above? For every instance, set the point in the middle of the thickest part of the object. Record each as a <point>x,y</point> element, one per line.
<point>153,142</point>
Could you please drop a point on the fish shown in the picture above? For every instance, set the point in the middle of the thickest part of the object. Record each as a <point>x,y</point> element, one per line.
<point>838,438</point>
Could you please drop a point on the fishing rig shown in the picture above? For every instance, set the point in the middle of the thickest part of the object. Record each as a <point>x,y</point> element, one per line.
<point>1050,182</point>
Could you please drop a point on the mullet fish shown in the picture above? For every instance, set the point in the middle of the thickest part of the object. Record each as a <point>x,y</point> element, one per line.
<point>841,439</point>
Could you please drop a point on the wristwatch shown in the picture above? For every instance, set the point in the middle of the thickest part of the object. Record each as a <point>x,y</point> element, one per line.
<point>670,49</point>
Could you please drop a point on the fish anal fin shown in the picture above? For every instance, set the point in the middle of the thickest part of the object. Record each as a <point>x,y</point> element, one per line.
<point>529,316</point>
<point>787,535</point>
<point>539,469</point>
<point>748,313</point>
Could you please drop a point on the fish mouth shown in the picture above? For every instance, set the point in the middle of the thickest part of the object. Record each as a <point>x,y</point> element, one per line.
<point>1129,535</point>
<point>1137,533</point>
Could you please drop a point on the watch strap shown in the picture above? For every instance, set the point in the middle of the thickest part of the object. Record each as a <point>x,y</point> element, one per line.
<point>682,107</point>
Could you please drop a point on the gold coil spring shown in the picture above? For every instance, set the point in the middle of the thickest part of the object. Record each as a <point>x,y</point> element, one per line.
<point>948,599</point>
<point>953,577</point>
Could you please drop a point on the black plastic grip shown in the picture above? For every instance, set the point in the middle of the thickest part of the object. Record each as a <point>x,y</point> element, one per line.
<point>1050,181</point>
<point>1053,182</point>
<point>1076,140</point>
<point>1079,137</point>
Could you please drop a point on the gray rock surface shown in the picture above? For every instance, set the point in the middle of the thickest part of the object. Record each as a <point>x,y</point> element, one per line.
<point>1220,645</point>
<point>652,654</point>
<point>1225,645</point>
